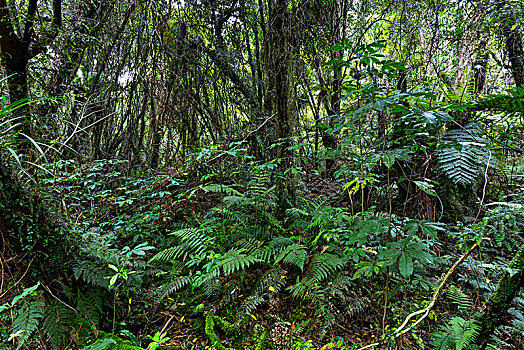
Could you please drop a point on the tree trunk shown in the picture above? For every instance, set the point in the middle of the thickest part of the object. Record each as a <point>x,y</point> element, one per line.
<point>479,67</point>
<point>279,64</point>
<point>15,56</point>
<point>513,43</point>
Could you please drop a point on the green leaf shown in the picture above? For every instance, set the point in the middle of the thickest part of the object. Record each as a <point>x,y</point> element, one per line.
<point>389,253</point>
<point>389,160</point>
<point>426,187</point>
<point>25,293</point>
<point>380,105</point>
<point>36,145</point>
<point>405,265</point>
<point>459,107</point>
<point>113,280</point>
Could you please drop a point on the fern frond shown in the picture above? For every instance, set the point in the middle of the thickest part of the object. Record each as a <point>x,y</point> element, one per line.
<point>89,305</point>
<point>512,103</point>
<point>249,245</point>
<point>297,218</point>
<point>318,297</point>
<point>465,332</point>
<point>443,339</point>
<point>219,188</point>
<point>251,303</point>
<point>321,267</point>
<point>294,254</point>
<point>231,201</point>
<point>458,334</point>
<point>91,273</point>
<point>463,155</point>
<point>26,320</point>
<point>273,249</point>
<point>235,260</point>
<point>174,286</point>
<point>258,185</point>
<point>192,241</point>
<point>270,282</point>
<point>98,251</point>
<point>100,345</point>
<point>56,319</point>
<point>168,254</point>
<point>462,300</point>
<point>210,286</point>
<point>496,343</point>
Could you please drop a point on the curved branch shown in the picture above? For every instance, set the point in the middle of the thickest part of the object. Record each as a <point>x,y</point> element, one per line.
<point>425,311</point>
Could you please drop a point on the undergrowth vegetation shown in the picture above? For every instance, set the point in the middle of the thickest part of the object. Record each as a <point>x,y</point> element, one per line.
<point>157,252</point>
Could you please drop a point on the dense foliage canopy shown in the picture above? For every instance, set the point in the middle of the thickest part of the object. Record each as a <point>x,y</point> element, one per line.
<point>261,174</point>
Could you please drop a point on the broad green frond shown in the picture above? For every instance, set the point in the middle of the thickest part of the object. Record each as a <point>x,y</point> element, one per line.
<point>463,155</point>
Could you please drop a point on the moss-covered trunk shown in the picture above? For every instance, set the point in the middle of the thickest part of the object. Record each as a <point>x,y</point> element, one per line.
<point>496,308</point>
<point>279,63</point>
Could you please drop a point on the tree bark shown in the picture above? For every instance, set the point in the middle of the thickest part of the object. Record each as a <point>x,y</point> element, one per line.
<point>479,67</point>
<point>15,56</point>
<point>57,13</point>
<point>279,65</point>
<point>513,43</point>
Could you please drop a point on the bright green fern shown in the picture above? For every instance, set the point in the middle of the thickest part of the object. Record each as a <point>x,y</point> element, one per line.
<point>463,155</point>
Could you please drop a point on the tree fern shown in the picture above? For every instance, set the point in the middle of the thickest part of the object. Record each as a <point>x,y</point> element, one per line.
<point>463,155</point>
